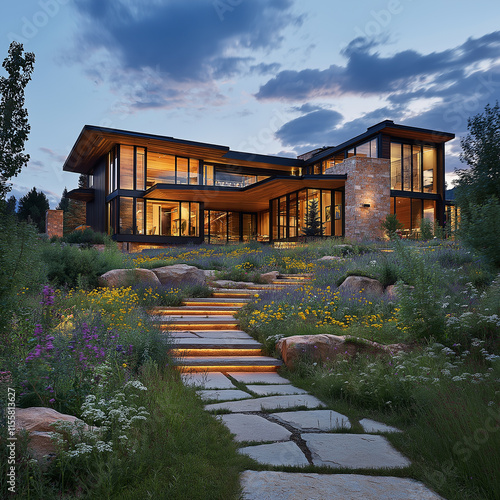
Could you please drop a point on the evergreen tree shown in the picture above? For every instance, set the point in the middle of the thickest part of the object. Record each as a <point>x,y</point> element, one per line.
<point>313,226</point>
<point>14,126</point>
<point>64,203</point>
<point>32,208</point>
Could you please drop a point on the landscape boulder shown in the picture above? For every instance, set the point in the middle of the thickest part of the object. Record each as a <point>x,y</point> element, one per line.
<point>37,422</point>
<point>362,284</point>
<point>127,277</point>
<point>329,258</point>
<point>180,273</point>
<point>269,277</point>
<point>324,347</point>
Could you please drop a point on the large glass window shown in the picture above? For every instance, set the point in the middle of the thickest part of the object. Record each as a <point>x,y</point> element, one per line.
<point>417,168</point>
<point>139,216</point>
<point>289,212</point>
<point>233,227</point>
<point>326,212</point>
<point>126,216</point>
<point>218,226</point>
<point>208,175</point>
<point>403,211</point>
<point>407,172</point>
<point>396,164</point>
<point>249,229</point>
<point>338,214</point>
<point>416,213</point>
<point>140,156</point>
<point>430,169</point>
<point>182,170</point>
<point>126,167</point>
<point>172,218</point>
<point>112,168</point>
<point>161,169</point>
<point>413,168</point>
<point>292,216</point>
<point>194,167</point>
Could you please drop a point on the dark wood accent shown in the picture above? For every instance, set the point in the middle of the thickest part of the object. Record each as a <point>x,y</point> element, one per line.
<point>385,150</point>
<point>80,194</point>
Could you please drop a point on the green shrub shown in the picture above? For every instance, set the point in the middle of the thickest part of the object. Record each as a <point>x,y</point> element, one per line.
<point>87,237</point>
<point>426,229</point>
<point>20,264</point>
<point>391,225</point>
<point>478,228</point>
<point>72,266</point>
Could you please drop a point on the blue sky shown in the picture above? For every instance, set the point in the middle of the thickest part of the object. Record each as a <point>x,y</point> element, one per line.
<point>266,76</point>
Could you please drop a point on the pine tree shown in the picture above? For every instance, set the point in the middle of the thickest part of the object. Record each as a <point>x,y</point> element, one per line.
<point>32,208</point>
<point>313,226</point>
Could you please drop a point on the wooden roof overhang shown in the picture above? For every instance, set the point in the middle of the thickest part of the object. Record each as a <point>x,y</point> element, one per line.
<point>95,142</point>
<point>81,194</point>
<point>253,198</point>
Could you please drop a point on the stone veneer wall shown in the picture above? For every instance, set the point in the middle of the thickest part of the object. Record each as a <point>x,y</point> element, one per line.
<point>368,181</point>
<point>54,223</point>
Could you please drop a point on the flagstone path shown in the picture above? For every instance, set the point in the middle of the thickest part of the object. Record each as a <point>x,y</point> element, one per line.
<point>274,422</point>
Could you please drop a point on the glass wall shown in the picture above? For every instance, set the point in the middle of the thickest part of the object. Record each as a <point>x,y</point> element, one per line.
<point>170,169</point>
<point>112,170</point>
<point>229,227</point>
<point>127,167</point>
<point>126,216</point>
<point>409,211</point>
<point>367,149</point>
<point>413,168</point>
<point>172,218</point>
<point>289,213</point>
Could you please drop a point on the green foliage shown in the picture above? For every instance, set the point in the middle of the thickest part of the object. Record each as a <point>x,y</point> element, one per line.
<point>478,229</point>
<point>20,264</point>
<point>426,228</point>
<point>481,152</point>
<point>420,295</point>
<point>313,226</point>
<point>87,237</point>
<point>14,127</point>
<point>32,208</point>
<point>478,187</point>
<point>71,266</point>
<point>64,202</point>
<point>391,225</point>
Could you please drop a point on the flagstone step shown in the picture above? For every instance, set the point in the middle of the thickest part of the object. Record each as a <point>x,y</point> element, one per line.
<point>221,343</point>
<point>207,310</point>
<point>236,293</point>
<point>227,363</point>
<point>212,301</point>
<point>198,323</point>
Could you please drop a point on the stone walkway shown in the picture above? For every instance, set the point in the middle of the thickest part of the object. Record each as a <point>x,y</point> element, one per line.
<point>275,423</point>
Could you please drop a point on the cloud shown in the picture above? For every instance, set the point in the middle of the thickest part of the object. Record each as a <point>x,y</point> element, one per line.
<point>59,158</point>
<point>191,41</point>
<point>314,127</point>
<point>366,72</point>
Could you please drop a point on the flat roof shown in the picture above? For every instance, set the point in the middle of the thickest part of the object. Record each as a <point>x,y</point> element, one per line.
<point>392,129</point>
<point>95,142</point>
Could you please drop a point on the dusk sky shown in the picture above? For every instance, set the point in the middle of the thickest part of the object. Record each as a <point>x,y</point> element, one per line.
<point>266,76</point>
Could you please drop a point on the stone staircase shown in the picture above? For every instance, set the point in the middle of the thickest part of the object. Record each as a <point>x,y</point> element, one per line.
<point>207,335</point>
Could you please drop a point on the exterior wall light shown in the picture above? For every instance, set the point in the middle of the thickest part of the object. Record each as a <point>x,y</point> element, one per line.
<point>365,205</point>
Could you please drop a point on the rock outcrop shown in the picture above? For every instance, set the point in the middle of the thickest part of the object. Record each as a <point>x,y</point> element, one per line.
<point>362,284</point>
<point>180,273</point>
<point>321,348</point>
<point>37,422</point>
<point>126,277</point>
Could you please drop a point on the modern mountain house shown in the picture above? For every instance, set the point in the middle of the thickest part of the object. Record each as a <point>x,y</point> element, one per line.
<point>149,190</point>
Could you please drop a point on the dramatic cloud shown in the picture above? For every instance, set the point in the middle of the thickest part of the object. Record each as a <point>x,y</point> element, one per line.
<point>315,127</point>
<point>368,73</point>
<point>439,91</point>
<point>186,41</point>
